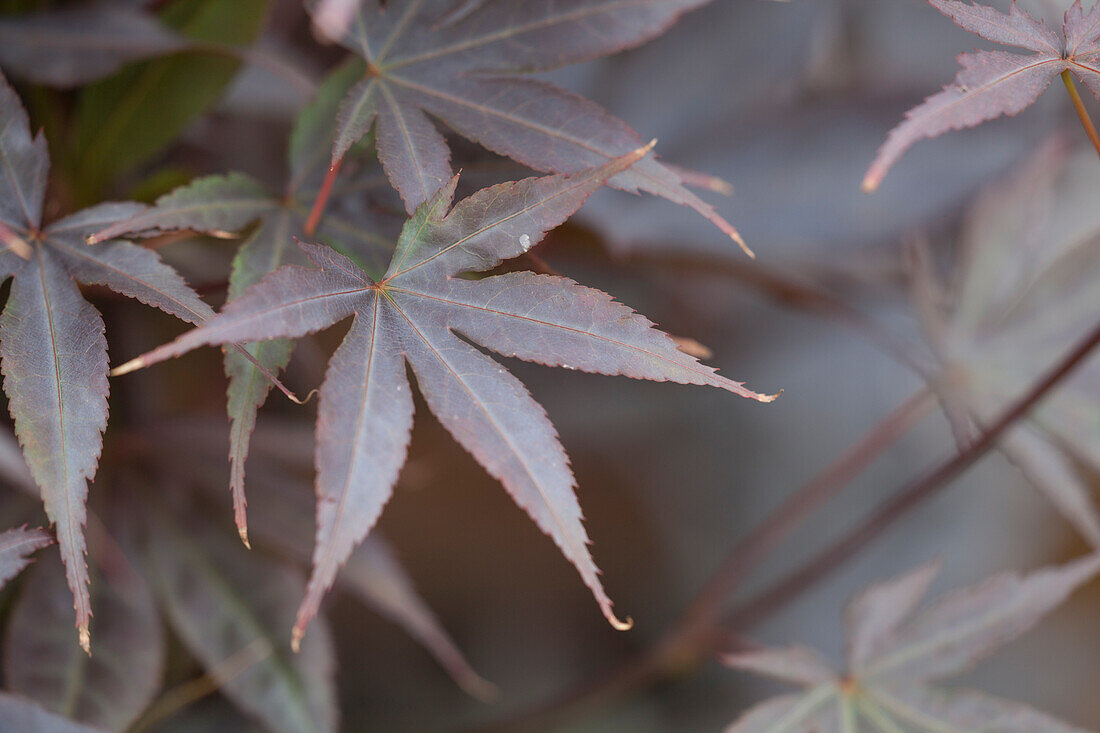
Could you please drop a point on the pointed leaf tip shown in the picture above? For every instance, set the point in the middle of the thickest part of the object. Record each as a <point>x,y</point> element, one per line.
<point>870,184</point>
<point>243,532</point>
<point>131,366</point>
<point>296,639</point>
<point>85,638</point>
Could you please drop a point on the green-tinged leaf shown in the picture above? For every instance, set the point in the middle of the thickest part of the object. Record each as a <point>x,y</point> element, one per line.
<point>16,548</point>
<point>411,317</point>
<point>217,204</point>
<point>20,714</point>
<point>112,687</point>
<point>895,649</point>
<point>125,120</point>
<point>232,609</point>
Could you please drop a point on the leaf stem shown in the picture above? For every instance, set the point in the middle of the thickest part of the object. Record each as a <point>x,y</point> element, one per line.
<point>794,584</point>
<point>1082,113</point>
<point>322,198</point>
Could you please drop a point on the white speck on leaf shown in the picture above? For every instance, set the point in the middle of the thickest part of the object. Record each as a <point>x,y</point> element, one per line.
<point>525,242</point>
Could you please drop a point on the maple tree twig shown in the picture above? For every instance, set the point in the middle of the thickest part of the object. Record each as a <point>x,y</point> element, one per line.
<point>794,584</point>
<point>1082,113</point>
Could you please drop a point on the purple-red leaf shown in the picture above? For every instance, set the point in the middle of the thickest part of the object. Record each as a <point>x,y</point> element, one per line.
<point>52,347</point>
<point>996,83</point>
<point>415,314</point>
<point>74,46</point>
<point>109,689</point>
<point>466,66</point>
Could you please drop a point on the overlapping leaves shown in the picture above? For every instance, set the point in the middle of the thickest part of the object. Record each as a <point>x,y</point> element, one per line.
<point>995,83</point>
<point>467,69</point>
<point>419,313</point>
<point>895,650</point>
<point>229,203</point>
<point>54,355</point>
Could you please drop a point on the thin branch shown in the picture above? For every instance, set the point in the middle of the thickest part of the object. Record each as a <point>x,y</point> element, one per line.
<point>697,632</point>
<point>1082,113</point>
<point>744,556</point>
<point>679,649</point>
<point>790,587</point>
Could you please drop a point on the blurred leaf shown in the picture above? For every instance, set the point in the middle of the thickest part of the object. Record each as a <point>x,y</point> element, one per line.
<point>1027,290</point>
<point>125,120</point>
<point>19,714</point>
<point>16,547</point>
<point>895,649</point>
<point>233,610</point>
<point>72,46</point>
<point>109,689</point>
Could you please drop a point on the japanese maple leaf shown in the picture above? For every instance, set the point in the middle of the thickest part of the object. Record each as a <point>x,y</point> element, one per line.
<point>895,650</point>
<point>1024,291</point>
<point>54,355</point>
<point>415,314</point>
<point>995,83</point>
<point>16,547</point>
<point>467,69</point>
<point>228,203</point>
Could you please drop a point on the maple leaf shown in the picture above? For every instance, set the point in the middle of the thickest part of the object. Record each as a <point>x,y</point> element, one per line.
<point>228,203</point>
<point>895,650</point>
<point>53,351</point>
<point>466,68</point>
<point>1025,290</point>
<point>16,547</point>
<point>281,520</point>
<point>19,713</point>
<point>413,315</point>
<point>229,615</point>
<point>72,46</point>
<point>996,83</point>
<point>39,658</point>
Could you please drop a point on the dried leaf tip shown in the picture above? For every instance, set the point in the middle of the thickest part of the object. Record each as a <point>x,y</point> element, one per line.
<point>85,638</point>
<point>735,236</point>
<point>619,625</point>
<point>243,532</point>
<point>296,639</point>
<point>131,366</point>
<point>870,183</point>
